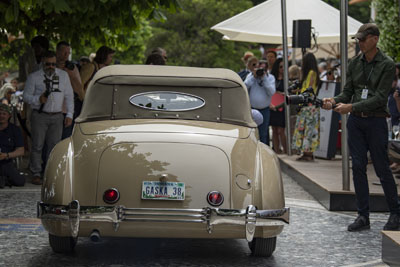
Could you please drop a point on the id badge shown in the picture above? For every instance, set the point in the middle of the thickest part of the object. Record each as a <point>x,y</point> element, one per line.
<point>364,94</point>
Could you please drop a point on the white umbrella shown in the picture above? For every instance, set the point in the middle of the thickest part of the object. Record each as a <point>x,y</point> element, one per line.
<point>263,23</point>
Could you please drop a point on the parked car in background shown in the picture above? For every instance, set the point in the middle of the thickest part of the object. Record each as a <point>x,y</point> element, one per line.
<point>164,152</point>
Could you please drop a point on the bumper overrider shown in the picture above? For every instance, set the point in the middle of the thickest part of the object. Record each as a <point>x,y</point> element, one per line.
<point>249,217</point>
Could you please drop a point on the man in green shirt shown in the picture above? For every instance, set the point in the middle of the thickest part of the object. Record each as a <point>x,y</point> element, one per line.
<point>365,94</point>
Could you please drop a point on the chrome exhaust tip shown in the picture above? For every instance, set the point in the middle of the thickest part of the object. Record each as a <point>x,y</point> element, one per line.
<point>95,236</point>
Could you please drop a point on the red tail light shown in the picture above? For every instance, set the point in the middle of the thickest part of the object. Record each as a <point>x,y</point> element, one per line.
<point>111,196</point>
<point>215,198</point>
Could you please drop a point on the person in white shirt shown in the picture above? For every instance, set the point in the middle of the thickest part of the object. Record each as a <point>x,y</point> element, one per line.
<point>45,91</point>
<point>261,87</point>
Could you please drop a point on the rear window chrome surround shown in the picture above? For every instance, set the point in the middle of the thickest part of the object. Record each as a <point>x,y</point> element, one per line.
<point>174,95</point>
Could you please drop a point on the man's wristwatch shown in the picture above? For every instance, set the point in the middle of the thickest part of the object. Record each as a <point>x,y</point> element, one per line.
<point>8,156</point>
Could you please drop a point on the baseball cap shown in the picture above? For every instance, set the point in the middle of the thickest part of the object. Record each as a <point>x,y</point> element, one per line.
<point>364,30</point>
<point>5,108</point>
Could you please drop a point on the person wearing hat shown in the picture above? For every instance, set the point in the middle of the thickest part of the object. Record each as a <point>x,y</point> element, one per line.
<point>368,83</point>
<point>243,73</point>
<point>11,146</point>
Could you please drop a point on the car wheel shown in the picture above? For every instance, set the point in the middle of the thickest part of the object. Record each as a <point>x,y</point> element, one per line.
<point>262,247</point>
<point>62,244</point>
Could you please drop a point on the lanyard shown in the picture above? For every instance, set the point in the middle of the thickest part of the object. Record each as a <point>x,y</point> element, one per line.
<point>369,75</point>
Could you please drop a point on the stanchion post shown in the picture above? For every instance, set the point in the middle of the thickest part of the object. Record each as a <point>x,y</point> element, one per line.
<point>286,75</point>
<point>343,58</point>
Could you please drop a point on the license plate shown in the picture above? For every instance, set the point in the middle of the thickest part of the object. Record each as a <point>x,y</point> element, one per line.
<point>163,190</point>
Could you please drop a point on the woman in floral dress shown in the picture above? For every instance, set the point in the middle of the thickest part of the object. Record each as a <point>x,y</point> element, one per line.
<point>306,132</point>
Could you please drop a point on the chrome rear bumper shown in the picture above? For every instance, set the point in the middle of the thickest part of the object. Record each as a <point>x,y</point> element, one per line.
<point>249,217</point>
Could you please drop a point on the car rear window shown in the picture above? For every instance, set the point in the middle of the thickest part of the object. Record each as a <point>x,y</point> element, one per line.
<point>167,101</point>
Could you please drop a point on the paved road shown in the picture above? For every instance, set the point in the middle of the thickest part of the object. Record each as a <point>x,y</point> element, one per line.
<point>315,237</point>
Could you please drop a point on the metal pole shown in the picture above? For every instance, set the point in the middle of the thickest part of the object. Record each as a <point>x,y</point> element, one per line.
<point>286,74</point>
<point>343,68</point>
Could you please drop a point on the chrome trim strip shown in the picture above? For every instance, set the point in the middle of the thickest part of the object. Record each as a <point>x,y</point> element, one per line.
<point>164,215</point>
<point>164,210</point>
<point>163,220</point>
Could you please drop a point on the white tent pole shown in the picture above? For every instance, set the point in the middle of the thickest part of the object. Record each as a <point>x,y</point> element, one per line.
<point>286,75</point>
<point>343,71</point>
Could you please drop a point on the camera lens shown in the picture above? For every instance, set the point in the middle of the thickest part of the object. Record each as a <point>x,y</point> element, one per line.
<point>294,99</point>
<point>260,72</point>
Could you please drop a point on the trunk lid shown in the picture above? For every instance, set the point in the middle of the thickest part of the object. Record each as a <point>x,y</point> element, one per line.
<point>126,165</point>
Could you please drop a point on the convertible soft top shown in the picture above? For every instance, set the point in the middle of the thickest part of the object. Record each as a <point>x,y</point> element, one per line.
<point>225,95</point>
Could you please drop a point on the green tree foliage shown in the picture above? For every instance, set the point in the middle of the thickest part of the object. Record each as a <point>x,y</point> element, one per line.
<point>388,20</point>
<point>359,11</point>
<point>189,41</point>
<point>88,23</point>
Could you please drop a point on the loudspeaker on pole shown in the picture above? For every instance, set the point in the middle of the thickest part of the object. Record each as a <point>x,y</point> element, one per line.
<point>301,36</point>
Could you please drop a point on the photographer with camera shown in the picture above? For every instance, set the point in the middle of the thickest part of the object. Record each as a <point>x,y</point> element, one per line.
<point>63,51</point>
<point>46,90</point>
<point>365,95</point>
<point>261,87</point>
<point>306,132</point>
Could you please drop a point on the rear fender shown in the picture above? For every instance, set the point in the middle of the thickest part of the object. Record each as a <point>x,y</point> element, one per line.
<point>268,189</point>
<point>57,182</point>
<point>269,186</point>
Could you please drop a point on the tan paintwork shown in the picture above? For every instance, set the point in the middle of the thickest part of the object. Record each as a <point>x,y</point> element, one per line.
<point>205,155</point>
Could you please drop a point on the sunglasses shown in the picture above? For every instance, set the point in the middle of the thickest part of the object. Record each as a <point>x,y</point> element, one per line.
<point>50,64</point>
<point>281,67</point>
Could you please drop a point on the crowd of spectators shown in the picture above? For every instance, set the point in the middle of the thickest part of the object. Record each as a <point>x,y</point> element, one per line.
<point>45,109</point>
<point>39,107</point>
<point>305,121</point>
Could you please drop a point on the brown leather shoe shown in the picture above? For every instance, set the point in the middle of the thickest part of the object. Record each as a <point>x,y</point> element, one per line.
<point>37,180</point>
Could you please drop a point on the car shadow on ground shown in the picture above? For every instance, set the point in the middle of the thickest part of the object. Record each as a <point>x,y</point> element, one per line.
<point>152,252</point>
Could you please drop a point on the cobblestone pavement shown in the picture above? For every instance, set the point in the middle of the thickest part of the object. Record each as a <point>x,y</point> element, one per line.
<point>315,237</point>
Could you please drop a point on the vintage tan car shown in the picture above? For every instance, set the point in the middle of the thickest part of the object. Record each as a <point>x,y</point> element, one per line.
<point>165,152</point>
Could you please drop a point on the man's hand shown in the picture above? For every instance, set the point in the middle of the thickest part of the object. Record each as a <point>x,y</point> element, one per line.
<point>343,108</point>
<point>328,103</point>
<point>43,99</point>
<point>67,122</point>
<point>70,72</point>
<point>3,156</point>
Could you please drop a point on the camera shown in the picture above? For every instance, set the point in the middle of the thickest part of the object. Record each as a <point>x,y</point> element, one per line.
<point>52,85</point>
<point>304,98</point>
<point>294,86</point>
<point>69,65</point>
<point>260,72</point>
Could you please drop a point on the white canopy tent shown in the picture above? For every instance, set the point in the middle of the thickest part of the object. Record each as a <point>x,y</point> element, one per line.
<point>263,23</point>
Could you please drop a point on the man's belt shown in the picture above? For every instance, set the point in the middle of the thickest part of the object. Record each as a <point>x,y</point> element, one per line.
<point>48,113</point>
<point>365,114</point>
